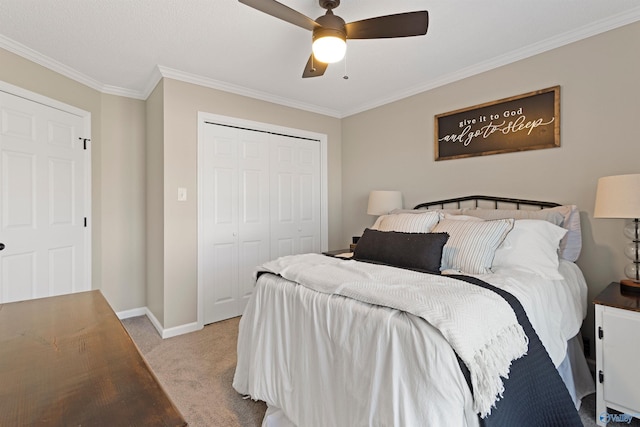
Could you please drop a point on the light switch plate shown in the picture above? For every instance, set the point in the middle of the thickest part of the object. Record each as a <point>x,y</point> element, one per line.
<point>182,194</point>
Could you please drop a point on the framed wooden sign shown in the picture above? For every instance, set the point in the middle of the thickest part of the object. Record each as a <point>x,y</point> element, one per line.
<point>525,122</point>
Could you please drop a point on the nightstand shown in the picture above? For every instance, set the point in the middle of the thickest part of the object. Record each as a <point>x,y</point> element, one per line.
<point>338,252</point>
<point>617,353</point>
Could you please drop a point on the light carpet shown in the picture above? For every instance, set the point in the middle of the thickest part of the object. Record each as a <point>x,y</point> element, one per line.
<point>196,370</point>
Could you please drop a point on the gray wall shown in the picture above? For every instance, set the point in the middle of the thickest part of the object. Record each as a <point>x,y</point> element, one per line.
<point>392,147</point>
<point>122,195</point>
<point>182,102</point>
<point>155,202</point>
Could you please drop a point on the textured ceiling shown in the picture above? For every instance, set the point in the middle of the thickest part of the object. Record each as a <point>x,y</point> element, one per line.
<point>123,46</point>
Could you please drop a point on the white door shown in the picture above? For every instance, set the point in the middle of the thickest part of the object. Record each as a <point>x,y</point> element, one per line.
<point>235,217</point>
<point>295,196</point>
<point>259,197</point>
<point>42,200</point>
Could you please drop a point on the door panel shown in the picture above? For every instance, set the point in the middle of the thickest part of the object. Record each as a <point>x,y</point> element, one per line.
<point>18,190</point>
<point>621,345</point>
<point>42,194</point>
<point>61,267</point>
<point>253,228</point>
<point>61,179</point>
<point>220,223</point>
<point>235,217</point>
<point>295,175</point>
<point>18,268</point>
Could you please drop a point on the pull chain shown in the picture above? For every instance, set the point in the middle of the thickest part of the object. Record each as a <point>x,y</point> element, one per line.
<point>346,77</point>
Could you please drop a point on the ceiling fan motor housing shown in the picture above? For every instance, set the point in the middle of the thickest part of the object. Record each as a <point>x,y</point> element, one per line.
<point>330,25</point>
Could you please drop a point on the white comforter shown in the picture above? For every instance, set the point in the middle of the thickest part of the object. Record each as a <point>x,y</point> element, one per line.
<point>479,324</point>
<point>327,360</point>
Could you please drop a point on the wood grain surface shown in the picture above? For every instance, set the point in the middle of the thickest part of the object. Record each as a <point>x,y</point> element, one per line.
<point>68,361</point>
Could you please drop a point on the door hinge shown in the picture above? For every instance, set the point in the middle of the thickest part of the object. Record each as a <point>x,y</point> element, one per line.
<point>601,377</point>
<point>84,142</point>
<point>85,221</point>
<point>600,332</point>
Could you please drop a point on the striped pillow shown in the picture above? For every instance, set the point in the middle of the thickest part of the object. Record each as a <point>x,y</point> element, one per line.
<point>472,244</point>
<point>409,223</point>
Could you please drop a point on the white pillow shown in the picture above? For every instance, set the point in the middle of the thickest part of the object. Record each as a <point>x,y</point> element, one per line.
<point>566,216</point>
<point>532,246</point>
<point>409,223</point>
<point>472,244</point>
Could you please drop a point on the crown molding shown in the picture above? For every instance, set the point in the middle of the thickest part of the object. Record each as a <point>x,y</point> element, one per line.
<point>564,39</point>
<point>40,59</point>
<point>244,91</point>
<point>53,65</point>
<point>153,81</point>
<point>120,91</point>
<point>159,72</point>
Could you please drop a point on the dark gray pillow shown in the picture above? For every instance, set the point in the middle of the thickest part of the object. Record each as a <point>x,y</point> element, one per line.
<point>414,251</point>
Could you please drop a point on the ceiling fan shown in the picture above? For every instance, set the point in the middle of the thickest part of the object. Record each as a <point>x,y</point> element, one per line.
<point>330,32</point>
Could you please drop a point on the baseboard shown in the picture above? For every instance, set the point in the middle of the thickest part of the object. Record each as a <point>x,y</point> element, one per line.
<point>164,333</point>
<point>134,312</point>
<point>179,330</point>
<point>171,332</point>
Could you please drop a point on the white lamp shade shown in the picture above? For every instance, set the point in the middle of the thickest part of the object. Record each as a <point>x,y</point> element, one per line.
<point>618,197</point>
<point>383,202</point>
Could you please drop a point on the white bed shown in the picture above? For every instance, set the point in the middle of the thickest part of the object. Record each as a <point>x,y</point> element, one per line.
<point>323,359</point>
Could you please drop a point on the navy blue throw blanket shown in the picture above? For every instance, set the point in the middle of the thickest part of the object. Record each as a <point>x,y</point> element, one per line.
<point>534,394</point>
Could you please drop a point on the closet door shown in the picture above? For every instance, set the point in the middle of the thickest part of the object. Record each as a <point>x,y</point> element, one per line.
<point>295,196</point>
<point>235,223</point>
<point>259,199</point>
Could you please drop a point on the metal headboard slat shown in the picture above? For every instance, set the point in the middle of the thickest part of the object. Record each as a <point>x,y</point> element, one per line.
<point>496,202</point>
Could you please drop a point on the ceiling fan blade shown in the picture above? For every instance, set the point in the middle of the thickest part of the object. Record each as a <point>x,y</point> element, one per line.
<point>399,25</point>
<point>314,68</point>
<point>278,10</point>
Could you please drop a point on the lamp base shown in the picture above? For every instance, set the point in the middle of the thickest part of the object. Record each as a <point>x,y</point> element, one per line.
<point>629,286</point>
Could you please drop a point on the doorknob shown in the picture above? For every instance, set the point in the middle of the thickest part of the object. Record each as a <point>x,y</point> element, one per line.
<point>1,246</point>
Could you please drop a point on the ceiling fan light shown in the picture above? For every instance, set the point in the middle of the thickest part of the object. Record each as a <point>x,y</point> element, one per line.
<point>329,49</point>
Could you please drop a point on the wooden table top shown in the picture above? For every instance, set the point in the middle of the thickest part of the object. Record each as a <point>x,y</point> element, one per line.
<point>68,361</point>
<point>612,296</point>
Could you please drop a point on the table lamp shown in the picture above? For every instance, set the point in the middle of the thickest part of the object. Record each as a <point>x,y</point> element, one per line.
<point>383,202</point>
<point>619,197</point>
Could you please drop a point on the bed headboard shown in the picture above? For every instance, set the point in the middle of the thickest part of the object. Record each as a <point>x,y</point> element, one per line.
<point>491,202</point>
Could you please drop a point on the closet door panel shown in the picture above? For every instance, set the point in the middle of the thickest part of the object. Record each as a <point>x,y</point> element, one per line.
<point>295,195</point>
<point>283,196</point>
<point>219,182</point>
<point>308,170</point>
<point>253,227</point>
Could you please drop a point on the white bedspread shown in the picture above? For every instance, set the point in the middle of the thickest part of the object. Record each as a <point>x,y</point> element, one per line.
<point>487,347</point>
<point>329,360</point>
